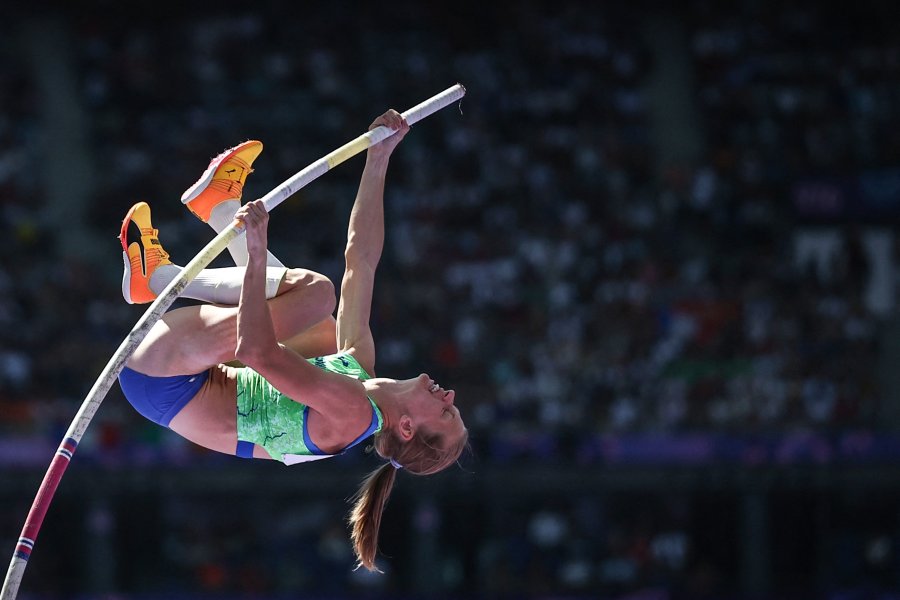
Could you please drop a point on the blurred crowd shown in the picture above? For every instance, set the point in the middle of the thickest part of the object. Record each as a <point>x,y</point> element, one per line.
<point>570,283</point>
<point>540,257</point>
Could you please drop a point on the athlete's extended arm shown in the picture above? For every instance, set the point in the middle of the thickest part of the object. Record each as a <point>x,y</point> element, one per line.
<point>365,241</point>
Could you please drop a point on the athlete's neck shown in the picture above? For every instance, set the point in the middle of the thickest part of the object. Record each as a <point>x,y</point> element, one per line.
<point>388,396</point>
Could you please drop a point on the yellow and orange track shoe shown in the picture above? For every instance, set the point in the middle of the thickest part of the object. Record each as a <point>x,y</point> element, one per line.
<point>223,179</point>
<point>142,253</point>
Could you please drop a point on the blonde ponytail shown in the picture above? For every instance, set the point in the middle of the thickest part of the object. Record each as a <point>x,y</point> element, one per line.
<point>365,517</point>
<point>425,454</point>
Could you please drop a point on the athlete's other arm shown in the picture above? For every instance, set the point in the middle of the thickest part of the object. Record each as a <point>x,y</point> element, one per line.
<point>341,400</point>
<point>365,241</point>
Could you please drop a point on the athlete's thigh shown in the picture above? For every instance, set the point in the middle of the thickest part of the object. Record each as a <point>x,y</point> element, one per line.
<point>318,340</point>
<point>187,340</point>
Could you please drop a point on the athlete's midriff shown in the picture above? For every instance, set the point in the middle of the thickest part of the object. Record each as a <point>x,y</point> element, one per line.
<point>209,418</point>
<point>274,423</point>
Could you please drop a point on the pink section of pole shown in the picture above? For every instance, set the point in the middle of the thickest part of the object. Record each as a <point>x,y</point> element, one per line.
<point>39,507</point>
<point>48,488</point>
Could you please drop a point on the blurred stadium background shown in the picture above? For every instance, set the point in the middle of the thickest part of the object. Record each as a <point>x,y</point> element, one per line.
<point>654,251</point>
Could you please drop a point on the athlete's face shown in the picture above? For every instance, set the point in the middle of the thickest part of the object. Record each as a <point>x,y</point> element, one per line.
<point>432,407</point>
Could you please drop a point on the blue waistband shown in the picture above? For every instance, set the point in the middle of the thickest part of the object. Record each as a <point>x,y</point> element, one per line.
<point>244,449</point>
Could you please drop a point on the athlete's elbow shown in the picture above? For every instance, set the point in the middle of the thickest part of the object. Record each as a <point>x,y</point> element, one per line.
<point>357,254</point>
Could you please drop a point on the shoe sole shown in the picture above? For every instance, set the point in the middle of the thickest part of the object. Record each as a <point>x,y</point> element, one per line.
<point>205,179</point>
<point>123,232</point>
<point>126,279</point>
<point>123,237</point>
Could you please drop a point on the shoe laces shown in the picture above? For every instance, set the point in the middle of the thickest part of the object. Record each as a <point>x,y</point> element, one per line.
<point>157,247</point>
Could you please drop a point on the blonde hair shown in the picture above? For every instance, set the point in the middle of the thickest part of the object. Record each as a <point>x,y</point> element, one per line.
<point>424,454</point>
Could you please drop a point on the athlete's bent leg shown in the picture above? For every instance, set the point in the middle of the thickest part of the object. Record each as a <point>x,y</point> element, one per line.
<point>191,339</point>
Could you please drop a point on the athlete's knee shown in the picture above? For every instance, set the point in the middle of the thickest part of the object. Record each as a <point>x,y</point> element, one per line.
<point>317,289</point>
